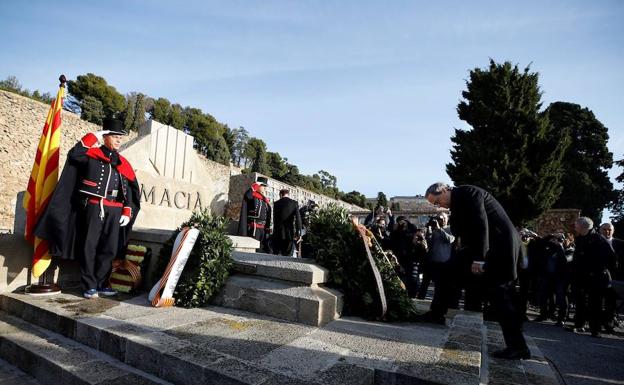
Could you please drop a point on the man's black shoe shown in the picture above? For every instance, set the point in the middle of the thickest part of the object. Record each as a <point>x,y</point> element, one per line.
<point>595,333</point>
<point>433,318</point>
<point>512,354</point>
<point>540,319</point>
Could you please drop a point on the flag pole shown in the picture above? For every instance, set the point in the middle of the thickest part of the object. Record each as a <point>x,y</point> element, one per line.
<point>44,287</point>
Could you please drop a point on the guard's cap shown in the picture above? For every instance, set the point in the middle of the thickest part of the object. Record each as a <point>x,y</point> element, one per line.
<point>115,126</point>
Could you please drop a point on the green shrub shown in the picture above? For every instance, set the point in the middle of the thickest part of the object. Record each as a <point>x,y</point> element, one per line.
<point>337,246</point>
<point>208,265</point>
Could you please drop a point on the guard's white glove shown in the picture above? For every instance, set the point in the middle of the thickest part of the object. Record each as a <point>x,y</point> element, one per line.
<point>124,220</point>
<point>100,134</point>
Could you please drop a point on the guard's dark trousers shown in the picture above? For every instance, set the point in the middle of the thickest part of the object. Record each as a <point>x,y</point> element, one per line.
<point>99,240</point>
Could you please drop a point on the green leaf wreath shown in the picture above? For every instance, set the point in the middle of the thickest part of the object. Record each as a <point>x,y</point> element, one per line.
<point>208,265</point>
<point>337,246</point>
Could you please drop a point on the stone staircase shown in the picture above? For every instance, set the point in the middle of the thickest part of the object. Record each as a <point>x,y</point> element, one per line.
<point>286,288</point>
<point>69,340</point>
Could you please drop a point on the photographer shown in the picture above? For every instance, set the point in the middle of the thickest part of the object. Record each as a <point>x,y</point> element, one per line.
<point>438,263</point>
<point>405,245</point>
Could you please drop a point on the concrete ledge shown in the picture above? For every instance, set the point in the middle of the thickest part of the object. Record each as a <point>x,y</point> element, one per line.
<point>534,371</point>
<point>218,345</point>
<point>288,301</point>
<point>53,359</point>
<point>279,267</point>
<point>244,243</point>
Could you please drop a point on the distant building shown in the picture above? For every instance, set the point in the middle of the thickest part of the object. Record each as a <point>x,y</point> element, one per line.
<point>415,208</point>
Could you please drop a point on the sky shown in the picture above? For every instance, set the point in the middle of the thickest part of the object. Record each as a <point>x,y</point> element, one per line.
<point>366,90</point>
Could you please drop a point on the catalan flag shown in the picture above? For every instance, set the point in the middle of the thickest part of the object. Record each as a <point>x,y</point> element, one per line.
<point>42,182</point>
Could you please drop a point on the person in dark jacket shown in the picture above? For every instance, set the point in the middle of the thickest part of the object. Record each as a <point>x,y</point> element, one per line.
<point>93,207</point>
<point>593,261</point>
<point>255,214</point>
<point>286,224</point>
<point>402,237</point>
<point>486,237</point>
<point>552,277</point>
<point>606,229</point>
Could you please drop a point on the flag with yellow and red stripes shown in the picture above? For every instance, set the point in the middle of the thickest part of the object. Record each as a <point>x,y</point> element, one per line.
<point>42,182</point>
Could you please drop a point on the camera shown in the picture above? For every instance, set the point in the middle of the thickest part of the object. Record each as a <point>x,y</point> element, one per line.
<point>434,221</point>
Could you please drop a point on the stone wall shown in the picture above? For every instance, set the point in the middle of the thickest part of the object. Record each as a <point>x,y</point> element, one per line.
<point>21,122</point>
<point>174,179</point>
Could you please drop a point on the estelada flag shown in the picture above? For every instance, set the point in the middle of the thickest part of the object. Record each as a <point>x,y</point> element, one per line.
<point>43,179</point>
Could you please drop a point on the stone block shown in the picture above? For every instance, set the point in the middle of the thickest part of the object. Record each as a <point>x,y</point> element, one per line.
<point>279,267</point>
<point>244,243</point>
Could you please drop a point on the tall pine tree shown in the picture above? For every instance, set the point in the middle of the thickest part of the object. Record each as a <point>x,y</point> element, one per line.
<point>511,150</point>
<point>585,181</point>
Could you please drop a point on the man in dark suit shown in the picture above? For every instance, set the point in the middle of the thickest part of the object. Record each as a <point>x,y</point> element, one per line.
<point>486,239</point>
<point>286,224</point>
<point>606,229</point>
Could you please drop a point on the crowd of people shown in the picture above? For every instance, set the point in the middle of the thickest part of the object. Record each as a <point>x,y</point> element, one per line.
<point>476,257</point>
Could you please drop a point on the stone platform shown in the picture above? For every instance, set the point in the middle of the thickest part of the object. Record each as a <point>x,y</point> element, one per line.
<point>66,339</point>
<point>287,288</point>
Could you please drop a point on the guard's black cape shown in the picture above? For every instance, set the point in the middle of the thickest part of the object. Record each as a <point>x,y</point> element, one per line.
<point>57,224</point>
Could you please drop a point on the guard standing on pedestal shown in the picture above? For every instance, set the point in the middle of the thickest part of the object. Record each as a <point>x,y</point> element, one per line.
<point>255,214</point>
<point>93,207</point>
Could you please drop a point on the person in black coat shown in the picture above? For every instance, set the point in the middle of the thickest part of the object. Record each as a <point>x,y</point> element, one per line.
<point>593,261</point>
<point>551,273</point>
<point>617,273</point>
<point>286,224</point>
<point>255,214</point>
<point>93,207</point>
<point>486,238</point>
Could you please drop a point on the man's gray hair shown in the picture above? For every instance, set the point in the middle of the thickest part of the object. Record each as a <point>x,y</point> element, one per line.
<point>606,224</point>
<point>437,189</point>
<point>585,223</point>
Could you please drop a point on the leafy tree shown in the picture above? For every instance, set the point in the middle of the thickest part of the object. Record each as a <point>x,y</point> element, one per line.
<point>256,152</point>
<point>11,84</point>
<point>277,165</point>
<point>161,108</point>
<point>139,112</point>
<point>176,117</point>
<point>381,199</point>
<point>355,197</point>
<point>241,138</point>
<point>512,150</point>
<point>617,206</point>
<point>129,112</point>
<point>585,181</point>
<point>92,110</point>
<point>216,149</point>
<point>113,103</point>
<point>327,179</point>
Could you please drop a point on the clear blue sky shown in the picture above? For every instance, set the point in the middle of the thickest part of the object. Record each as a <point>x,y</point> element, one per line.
<point>365,90</point>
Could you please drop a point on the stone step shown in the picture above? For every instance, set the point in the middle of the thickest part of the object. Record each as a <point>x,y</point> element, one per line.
<point>301,270</point>
<point>56,360</point>
<point>244,243</point>
<point>215,345</point>
<point>290,301</point>
<point>10,375</point>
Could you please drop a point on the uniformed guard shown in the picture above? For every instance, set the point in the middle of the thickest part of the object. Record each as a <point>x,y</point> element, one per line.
<point>255,214</point>
<point>93,207</point>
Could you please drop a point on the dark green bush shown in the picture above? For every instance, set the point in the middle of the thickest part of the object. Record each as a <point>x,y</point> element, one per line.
<point>208,265</point>
<point>337,246</point>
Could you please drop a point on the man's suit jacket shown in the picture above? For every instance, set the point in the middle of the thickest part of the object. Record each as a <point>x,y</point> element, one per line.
<point>618,247</point>
<point>485,232</point>
<point>286,219</point>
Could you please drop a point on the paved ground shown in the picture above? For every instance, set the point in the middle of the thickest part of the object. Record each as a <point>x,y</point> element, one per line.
<point>581,359</point>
